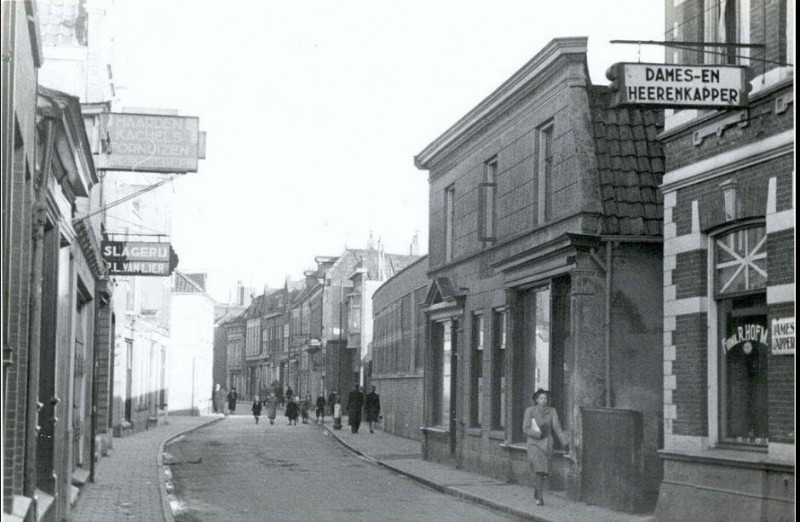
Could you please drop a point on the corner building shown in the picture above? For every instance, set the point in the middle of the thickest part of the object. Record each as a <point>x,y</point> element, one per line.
<point>545,260</point>
<point>729,306</point>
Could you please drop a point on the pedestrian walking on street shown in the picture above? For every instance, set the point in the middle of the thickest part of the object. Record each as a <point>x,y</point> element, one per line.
<point>289,394</point>
<point>232,398</point>
<point>355,403</point>
<point>305,405</point>
<point>331,402</point>
<point>292,410</point>
<point>541,424</point>
<point>321,407</point>
<point>272,407</point>
<point>256,408</point>
<point>218,399</point>
<point>372,407</point>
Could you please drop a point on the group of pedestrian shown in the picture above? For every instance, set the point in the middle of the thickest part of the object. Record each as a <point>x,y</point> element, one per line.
<point>370,404</point>
<point>541,424</point>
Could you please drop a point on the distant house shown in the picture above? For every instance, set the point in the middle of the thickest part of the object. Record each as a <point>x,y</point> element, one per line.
<point>397,344</point>
<point>191,352</point>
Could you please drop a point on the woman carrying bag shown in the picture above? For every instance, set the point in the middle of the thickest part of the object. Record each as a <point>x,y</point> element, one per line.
<point>540,425</point>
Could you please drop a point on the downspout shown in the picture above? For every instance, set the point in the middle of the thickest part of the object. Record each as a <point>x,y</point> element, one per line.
<point>608,325</point>
<point>35,331</point>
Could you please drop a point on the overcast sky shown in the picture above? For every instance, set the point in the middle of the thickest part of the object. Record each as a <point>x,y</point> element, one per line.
<point>315,109</point>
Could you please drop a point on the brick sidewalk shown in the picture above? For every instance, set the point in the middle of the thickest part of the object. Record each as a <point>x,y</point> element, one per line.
<point>129,483</point>
<point>404,456</point>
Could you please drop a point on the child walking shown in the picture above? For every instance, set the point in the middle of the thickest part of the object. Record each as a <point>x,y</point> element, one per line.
<point>256,408</point>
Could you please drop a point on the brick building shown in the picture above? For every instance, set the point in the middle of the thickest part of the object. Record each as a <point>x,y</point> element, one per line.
<point>22,58</point>
<point>729,233</point>
<point>545,260</point>
<point>397,347</point>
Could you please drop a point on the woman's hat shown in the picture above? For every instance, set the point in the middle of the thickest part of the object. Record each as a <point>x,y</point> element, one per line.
<point>539,392</point>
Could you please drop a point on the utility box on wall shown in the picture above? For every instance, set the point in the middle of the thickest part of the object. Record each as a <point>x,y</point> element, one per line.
<point>612,463</point>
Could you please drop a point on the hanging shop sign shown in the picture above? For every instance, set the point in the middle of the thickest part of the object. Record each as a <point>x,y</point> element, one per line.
<point>678,86</point>
<point>150,143</point>
<point>139,258</point>
<point>783,336</point>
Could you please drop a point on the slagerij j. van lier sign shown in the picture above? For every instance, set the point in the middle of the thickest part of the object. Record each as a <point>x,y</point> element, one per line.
<point>150,143</point>
<point>140,258</point>
<point>678,86</point>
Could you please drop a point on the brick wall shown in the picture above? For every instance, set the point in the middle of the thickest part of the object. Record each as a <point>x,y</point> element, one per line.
<point>690,369</point>
<point>691,274</point>
<point>780,257</point>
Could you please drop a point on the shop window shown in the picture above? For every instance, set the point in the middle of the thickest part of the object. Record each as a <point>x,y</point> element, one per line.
<point>740,284</point>
<point>442,360</point>
<point>538,356</point>
<point>498,401</point>
<point>476,382</point>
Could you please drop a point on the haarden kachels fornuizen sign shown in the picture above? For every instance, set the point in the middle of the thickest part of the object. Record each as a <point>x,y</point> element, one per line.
<point>678,86</point>
<point>139,258</point>
<point>150,143</point>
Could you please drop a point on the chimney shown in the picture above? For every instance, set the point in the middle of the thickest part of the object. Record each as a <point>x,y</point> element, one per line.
<point>370,242</point>
<point>311,278</point>
<point>414,250</point>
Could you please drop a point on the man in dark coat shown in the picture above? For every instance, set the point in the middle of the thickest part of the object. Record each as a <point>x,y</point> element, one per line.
<point>372,407</point>
<point>355,403</point>
<point>232,397</point>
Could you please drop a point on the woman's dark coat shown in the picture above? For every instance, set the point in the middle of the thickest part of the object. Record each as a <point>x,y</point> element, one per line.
<point>372,407</point>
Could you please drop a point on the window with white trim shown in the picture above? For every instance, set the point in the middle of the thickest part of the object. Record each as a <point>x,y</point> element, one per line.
<point>740,280</point>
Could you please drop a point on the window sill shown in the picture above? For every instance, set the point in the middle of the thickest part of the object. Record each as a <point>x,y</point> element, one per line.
<point>435,430</point>
<point>496,435</point>
<point>474,432</point>
<point>515,446</point>
<point>740,457</point>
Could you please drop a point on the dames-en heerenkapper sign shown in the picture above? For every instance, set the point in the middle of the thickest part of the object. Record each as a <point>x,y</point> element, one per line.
<point>150,143</point>
<point>678,86</point>
<point>140,258</point>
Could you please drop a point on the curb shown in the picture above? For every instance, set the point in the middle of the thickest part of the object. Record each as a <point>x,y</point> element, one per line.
<point>524,515</point>
<point>162,479</point>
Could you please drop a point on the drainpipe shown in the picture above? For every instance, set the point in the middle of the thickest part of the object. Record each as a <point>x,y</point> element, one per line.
<point>35,333</point>
<point>608,325</point>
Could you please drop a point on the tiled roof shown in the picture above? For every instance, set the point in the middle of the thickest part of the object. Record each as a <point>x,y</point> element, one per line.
<point>630,164</point>
<point>63,22</point>
<point>184,283</point>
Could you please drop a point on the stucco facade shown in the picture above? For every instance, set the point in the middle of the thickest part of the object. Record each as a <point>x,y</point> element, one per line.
<point>545,252</point>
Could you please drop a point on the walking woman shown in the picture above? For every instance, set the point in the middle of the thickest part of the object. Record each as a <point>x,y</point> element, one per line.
<point>541,425</point>
<point>272,407</point>
<point>292,410</point>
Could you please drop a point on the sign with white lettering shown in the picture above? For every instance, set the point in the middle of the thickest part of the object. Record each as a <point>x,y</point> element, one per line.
<point>139,258</point>
<point>150,143</point>
<point>783,336</point>
<point>678,86</point>
<point>747,333</point>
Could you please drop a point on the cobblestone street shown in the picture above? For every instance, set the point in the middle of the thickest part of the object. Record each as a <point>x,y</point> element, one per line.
<point>237,470</point>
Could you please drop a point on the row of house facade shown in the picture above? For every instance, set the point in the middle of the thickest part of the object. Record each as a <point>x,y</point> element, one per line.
<point>86,355</point>
<point>637,262</point>
<point>313,335</point>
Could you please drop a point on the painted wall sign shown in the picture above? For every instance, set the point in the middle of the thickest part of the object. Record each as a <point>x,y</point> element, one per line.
<point>141,258</point>
<point>746,333</point>
<point>150,143</point>
<point>678,86</point>
<point>783,336</point>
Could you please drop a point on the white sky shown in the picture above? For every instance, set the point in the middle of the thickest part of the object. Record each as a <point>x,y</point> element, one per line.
<point>315,109</point>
